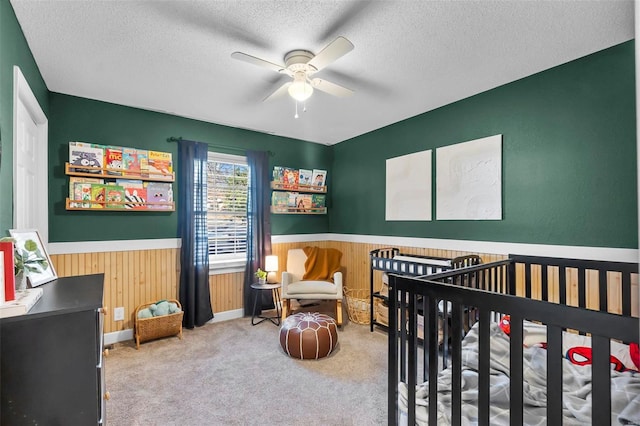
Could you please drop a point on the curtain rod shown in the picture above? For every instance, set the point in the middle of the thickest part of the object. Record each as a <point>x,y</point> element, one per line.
<point>212,145</point>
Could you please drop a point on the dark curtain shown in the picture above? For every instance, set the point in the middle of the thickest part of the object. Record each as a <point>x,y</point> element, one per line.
<point>258,224</point>
<point>192,229</point>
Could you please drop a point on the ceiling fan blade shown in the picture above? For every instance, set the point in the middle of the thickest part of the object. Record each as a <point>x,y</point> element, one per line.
<point>280,91</point>
<point>334,50</point>
<point>257,61</point>
<point>331,88</point>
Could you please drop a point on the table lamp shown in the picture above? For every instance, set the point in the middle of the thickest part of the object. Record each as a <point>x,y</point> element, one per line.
<point>271,266</point>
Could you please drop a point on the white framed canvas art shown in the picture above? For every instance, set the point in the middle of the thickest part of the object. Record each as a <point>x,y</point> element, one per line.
<point>469,180</point>
<point>408,187</point>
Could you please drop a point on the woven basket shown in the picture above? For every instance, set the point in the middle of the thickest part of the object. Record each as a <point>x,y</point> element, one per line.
<point>358,305</point>
<point>381,312</point>
<point>156,327</point>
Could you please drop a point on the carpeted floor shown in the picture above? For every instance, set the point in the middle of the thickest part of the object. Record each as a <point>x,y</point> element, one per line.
<point>232,373</point>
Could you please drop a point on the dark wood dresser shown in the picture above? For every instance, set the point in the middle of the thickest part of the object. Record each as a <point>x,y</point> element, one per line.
<point>51,359</point>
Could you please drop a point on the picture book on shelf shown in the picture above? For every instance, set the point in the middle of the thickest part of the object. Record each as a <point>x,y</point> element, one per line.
<point>135,162</point>
<point>278,174</point>
<point>143,158</point>
<point>293,200</point>
<point>113,160</point>
<point>86,155</point>
<point>159,195</point>
<point>279,199</point>
<point>130,183</point>
<point>81,192</point>
<point>134,193</point>
<point>98,196</point>
<point>303,202</point>
<point>160,165</point>
<point>137,197</point>
<point>114,196</point>
<point>319,177</point>
<point>290,178</point>
<point>318,200</point>
<point>304,177</point>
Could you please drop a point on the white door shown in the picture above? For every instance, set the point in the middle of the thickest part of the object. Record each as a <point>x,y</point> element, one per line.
<point>30,151</point>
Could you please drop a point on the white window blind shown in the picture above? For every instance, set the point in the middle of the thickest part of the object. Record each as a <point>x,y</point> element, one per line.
<point>227,182</point>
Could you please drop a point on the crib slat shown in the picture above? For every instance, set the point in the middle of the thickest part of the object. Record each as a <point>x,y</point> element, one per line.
<point>601,381</point>
<point>554,375</point>
<point>426,343</point>
<point>403,334</point>
<point>545,283</point>
<point>392,379</point>
<point>527,280</point>
<point>515,359</point>
<point>626,294</point>
<point>511,281</point>
<point>582,294</point>
<point>483,368</point>
<point>445,333</point>
<point>425,327</point>
<point>412,355</point>
<point>602,286</point>
<point>501,278</point>
<point>562,284</point>
<point>433,364</point>
<point>456,361</point>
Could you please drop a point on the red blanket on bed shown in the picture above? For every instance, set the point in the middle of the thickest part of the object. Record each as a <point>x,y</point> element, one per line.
<point>321,263</point>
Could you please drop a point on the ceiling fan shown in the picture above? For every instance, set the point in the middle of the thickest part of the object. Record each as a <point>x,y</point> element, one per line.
<point>300,65</point>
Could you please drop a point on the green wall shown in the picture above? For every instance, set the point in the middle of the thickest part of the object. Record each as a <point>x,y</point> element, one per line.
<point>569,158</point>
<point>79,119</point>
<point>13,51</point>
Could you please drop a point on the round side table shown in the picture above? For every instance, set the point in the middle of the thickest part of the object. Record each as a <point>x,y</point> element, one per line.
<point>257,288</point>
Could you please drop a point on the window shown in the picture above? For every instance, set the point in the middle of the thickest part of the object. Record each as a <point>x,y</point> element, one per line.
<point>227,184</point>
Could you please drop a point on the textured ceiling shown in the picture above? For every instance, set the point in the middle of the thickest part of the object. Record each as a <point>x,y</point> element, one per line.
<point>409,56</point>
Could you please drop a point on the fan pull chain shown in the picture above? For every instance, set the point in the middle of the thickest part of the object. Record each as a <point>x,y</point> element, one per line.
<point>296,116</point>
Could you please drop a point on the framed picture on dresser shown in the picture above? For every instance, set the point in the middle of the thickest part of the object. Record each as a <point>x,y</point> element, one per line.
<point>31,253</point>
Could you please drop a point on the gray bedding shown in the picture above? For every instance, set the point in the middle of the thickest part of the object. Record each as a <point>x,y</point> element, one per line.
<point>625,392</point>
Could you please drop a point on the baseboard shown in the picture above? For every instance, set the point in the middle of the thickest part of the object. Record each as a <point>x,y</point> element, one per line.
<point>118,336</point>
<point>124,335</point>
<point>227,315</point>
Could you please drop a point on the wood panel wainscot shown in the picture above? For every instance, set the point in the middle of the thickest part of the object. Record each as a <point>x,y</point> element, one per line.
<point>136,277</point>
<point>131,278</point>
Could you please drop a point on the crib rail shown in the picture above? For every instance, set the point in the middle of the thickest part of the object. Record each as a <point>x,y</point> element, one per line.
<point>576,281</point>
<point>474,293</point>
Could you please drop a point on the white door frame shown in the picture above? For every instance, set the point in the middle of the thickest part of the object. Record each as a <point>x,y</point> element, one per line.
<point>23,94</point>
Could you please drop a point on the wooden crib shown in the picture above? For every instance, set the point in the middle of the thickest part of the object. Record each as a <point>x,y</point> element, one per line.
<point>568,298</point>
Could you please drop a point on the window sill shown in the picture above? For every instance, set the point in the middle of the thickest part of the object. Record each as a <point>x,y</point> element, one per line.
<point>227,266</point>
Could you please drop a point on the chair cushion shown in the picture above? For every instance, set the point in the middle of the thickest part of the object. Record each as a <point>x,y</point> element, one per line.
<point>295,263</point>
<point>312,287</point>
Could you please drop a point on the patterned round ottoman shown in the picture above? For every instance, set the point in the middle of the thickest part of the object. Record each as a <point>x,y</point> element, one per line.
<point>308,335</point>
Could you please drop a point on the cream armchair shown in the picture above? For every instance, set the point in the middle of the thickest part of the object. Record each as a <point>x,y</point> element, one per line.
<point>294,288</point>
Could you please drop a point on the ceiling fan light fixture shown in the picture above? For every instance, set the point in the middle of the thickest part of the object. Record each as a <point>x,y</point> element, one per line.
<point>300,89</point>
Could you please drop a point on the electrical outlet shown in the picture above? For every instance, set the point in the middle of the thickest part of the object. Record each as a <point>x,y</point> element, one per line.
<point>118,314</point>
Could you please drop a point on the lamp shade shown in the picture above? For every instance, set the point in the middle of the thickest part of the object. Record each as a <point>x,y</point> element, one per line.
<point>271,263</point>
